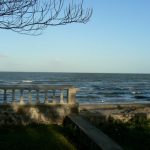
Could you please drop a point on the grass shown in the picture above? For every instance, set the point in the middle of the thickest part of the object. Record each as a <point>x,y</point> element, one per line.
<point>133,135</point>
<point>38,137</point>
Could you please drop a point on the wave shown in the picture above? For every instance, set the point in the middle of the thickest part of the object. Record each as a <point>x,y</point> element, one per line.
<point>27,81</point>
<point>136,92</point>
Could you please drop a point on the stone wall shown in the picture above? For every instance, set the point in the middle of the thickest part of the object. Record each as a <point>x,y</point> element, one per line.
<point>17,114</point>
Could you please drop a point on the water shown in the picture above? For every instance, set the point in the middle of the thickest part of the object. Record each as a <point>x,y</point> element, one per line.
<point>94,88</point>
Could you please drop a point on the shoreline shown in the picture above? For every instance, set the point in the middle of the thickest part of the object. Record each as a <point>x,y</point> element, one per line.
<point>112,105</point>
<point>121,112</point>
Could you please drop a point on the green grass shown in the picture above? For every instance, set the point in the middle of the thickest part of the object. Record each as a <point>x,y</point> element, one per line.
<point>34,137</point>
<point>133,135</point>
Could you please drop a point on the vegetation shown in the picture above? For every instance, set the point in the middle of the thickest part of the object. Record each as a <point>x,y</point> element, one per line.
<point>133,135</point>
<point>39,137</point>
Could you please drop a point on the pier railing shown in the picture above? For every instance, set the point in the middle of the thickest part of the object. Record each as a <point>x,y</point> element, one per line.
<point>37,94</point>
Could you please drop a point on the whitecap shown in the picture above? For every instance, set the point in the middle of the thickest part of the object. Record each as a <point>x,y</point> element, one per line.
<point>27,81</point>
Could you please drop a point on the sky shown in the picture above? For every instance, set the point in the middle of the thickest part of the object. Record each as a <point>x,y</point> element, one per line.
<point>115,40</point>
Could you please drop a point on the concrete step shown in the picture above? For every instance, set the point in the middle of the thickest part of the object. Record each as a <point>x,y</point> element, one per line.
<point>96,139</point>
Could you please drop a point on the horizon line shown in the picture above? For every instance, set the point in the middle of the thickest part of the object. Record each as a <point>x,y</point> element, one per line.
<point>72,72</point>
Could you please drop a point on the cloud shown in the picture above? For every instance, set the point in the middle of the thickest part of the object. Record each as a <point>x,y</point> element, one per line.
<point>3,56</point>
<point>56,61</point>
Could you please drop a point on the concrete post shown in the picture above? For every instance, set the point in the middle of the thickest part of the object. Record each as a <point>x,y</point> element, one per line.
<point>53,97</point>
<point>5,96</point>
<point>21,97</point>
<point>71,95</point>
<point>37,97</point>
<point>46,97</point>
<point>13,95</point>
<point>30,97</point>
<point>61,96</point>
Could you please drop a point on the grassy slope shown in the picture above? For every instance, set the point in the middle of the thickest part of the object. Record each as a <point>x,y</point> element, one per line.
<point>38,137</point>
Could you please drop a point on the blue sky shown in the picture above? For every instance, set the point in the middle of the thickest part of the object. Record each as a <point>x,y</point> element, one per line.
<point>116,40</point>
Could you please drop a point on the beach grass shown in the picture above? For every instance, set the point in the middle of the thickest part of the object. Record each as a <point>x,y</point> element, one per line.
<point>132,135</point>
<point>37,137</point>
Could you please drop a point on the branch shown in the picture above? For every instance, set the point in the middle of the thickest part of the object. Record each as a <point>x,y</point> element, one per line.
<point>33,16</point>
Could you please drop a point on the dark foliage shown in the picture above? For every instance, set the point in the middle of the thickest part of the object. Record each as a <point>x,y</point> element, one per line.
<point>133,135</point>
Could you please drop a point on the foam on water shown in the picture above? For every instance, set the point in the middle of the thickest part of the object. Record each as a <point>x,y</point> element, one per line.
<point>27,81</point>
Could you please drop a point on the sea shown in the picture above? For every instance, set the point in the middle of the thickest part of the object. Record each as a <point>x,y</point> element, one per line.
<point>94,88</point>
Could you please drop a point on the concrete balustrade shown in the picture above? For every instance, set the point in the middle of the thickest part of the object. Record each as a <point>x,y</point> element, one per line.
<point>50,94</point>
<point>25,104</point>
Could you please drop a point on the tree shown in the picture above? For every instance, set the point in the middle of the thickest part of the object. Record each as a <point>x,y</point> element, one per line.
<point>33,16</point>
